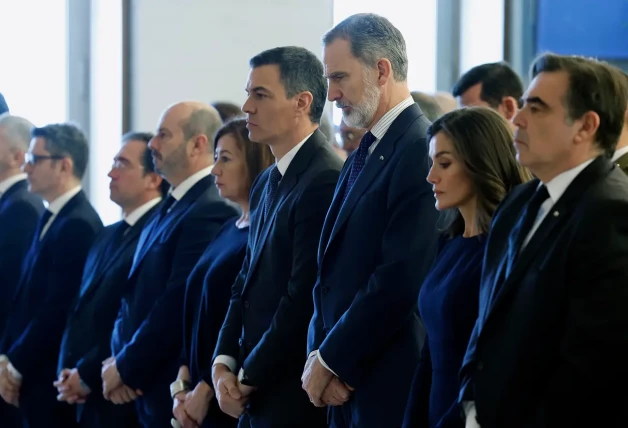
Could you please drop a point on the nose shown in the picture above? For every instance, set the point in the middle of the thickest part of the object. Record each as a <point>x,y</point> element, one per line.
<point>217,169</point>
<point>152,144</point>
<point>518,119</point>
<point>333,92</point>
<point>112,174</point>
<point>247,107</point>
<point>27,168</point>
<point>432,177</point>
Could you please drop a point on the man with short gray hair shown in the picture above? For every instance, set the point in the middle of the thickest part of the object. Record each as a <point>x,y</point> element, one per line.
<point>379,236</point>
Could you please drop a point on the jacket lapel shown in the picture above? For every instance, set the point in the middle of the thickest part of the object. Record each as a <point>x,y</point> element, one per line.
<point>557,216</point>
<point>287,183</point>
<point>374,165</point>
<point>20,185</point>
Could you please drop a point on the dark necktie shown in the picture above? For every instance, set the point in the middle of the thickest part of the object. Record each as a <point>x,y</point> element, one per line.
<point>165,206</point>
<point>524,225</point>
<point>359,161</point>
<point>42,223</point>
<point>271,189</point>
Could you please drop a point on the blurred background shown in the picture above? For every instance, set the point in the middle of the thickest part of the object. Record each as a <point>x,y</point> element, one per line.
<point>114,65</point>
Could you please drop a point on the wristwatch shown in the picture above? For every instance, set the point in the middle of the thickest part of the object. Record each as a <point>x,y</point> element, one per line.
<point>178,386</point>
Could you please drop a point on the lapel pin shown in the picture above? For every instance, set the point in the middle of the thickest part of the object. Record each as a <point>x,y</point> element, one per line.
<point>556,213</point>
<point>381,158</point>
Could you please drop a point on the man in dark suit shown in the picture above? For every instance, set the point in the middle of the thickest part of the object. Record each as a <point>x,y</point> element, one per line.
<point>147,337</point>
<point>550,345</point>
<point>19,213</point>
<point>51,276</point>
<point>137,189</point>
<point>260,350</point>
<point>379,237</point>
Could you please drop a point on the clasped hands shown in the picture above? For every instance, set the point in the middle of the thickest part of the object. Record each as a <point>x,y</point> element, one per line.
<point>323,388</point>
<point>190,407</point>
<point>9,385</point>
<point>70,388</point>
<point>232,395</point>
<point>113,389</point>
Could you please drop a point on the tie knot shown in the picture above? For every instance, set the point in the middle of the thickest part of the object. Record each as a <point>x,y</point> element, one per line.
<point>367,140</point>
<point>539,196</point>
<point>275,176</point>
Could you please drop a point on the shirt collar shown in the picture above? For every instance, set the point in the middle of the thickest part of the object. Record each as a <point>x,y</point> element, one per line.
<point>557,185</point>
<point>57,205</point>
<point>180,191</point>
<point>7,183</point>
<point>618,153</point>
<point>382,125</point>
<point>138,213</point>
<point>284,162</point>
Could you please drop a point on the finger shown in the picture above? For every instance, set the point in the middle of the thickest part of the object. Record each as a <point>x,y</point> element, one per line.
<point>81,400</point>
<point>233,390</point>
<point>139,392</point>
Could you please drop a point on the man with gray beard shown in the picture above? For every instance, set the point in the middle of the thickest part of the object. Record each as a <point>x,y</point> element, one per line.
<point>379,236</point>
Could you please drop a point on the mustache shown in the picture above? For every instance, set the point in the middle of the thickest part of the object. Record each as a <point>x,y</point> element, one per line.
<point>155,154</point>
<point>340,104</point>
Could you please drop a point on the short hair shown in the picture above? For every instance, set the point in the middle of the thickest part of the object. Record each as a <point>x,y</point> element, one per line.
<point>482,139</point>
<point>147,157</point>
<point>498,80</point>
<point>428,105</point>
<point>16,130</point>
<point>300,71</point>
<point>66,139</point>
<point>592,87</point>
<point>373,37</point>
<point>227,110</point>
<point>202,121</point>
<point>258,156</point>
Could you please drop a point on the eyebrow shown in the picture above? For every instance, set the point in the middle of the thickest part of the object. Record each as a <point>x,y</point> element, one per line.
<point>121,159</point>
<point>443,152</point>
<point>335,74</point>
<point>535,100</point>
<point>257,89</point>
<point>223,152</point>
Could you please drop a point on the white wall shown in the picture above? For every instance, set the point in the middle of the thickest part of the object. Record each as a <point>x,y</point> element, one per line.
<point>482,32</point>
<point>199,49</point>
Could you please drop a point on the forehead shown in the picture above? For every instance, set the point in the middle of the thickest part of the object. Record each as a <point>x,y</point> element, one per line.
<point>132,150</point>
<point>472,96</point>
<point>337,57</point>
<point>441,143</point>
<point>227,142</point>
<point>551,87</point>
<point>265,76</point>
<point>38,145</point>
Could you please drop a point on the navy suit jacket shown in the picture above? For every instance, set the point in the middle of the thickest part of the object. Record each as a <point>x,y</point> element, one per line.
<point>266,324</point>
<point>550,345</point>
<point>19,213</point>
<point>375,251</point>
<point>147,337</point>
<point>51,277</point>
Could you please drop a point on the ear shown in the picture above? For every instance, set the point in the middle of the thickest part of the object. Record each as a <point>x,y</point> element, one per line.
<point>17,158</point>
<point>384,71</point>
<point>153,181</point>
<point>509,107</point>
<point>67,165</point>
<point>199,144</point>
<point>304,103</point>
<point>590,123</point>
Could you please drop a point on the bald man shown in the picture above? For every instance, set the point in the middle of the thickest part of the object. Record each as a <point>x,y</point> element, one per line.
<point>146,341</point>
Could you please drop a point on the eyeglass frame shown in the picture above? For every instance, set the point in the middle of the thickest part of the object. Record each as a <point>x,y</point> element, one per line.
<point>32,159</point>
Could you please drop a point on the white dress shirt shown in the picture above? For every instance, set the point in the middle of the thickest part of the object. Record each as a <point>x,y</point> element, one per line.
<point>7,183</point>
<point>282,166</point>
<point>179,192</point>
<point>555,187</point>
<point>56,206</point>
<point>618,153</point>
<point>139,212</point>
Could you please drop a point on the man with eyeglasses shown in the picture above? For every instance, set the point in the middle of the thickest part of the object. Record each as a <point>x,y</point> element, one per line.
<point>137,189</point>
<point>51,276</point>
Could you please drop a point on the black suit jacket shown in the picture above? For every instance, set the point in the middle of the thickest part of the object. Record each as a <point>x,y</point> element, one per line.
<point>375,251</point>
<point>550,345</point>
<point>19,214</point>
<point>87,337</point>
<point>147,337</point>
<point>51,277</point>
<point>266,324</point>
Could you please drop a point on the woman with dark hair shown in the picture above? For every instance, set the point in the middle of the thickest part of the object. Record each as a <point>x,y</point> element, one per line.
<point>473,167</point>
<point>238,162</point>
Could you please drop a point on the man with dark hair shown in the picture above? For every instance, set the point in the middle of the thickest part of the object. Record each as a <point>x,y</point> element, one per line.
<point>51,276</point>
<point>620,157</point>
<point>550,344</point>
<point>137,189</point>
<point>147,336</point>
<point>227,110</point>
<point>493,85</point>
<point>259,354</point>
<point>379,236</point>
<point>429,105</point>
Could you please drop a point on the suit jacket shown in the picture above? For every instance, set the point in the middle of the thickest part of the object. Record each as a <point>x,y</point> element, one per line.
<point>550,344</point>
<point>19,213</point>
<point>87,337</point>
<point>375,251</point>
<point>266,324</point>
<point>147,336</point>
<point>622,163</point>
<point>51,277</point>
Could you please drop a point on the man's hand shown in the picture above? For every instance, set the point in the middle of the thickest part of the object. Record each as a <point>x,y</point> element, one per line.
<point>70,388</point>
<point>9,385</point>
<point>178,410</point>
<point>245,390</point>
<point>197,402</point>
<point>229,396</point>
<point>336,393</point>
<point>123,395</point>
<point>111,379</point>
<point>315,379</point>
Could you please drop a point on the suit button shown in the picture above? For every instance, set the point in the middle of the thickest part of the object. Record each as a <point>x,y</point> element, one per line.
<point>240,342</point>
<point>480,366</point>
<point>246,304</point>
<point>324,289</point>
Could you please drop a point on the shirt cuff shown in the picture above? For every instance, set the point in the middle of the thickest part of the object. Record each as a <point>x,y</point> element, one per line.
<point>12,370</point>
<point>315,352</point>
<point>227,361</point>
<point>470,411</point>
<point>320,360</point>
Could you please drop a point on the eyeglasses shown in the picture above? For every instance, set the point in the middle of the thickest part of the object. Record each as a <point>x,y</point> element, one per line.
<point>123,165</point>
<point>32,159</point>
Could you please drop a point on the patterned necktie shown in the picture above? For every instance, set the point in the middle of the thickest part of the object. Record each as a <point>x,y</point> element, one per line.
<point>358,161</point>
<point>271,189</point>
<point>524,225</point>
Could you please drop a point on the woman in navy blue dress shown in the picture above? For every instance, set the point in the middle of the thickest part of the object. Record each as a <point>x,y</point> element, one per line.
<point>238,162</point>
<point>473,168</point>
